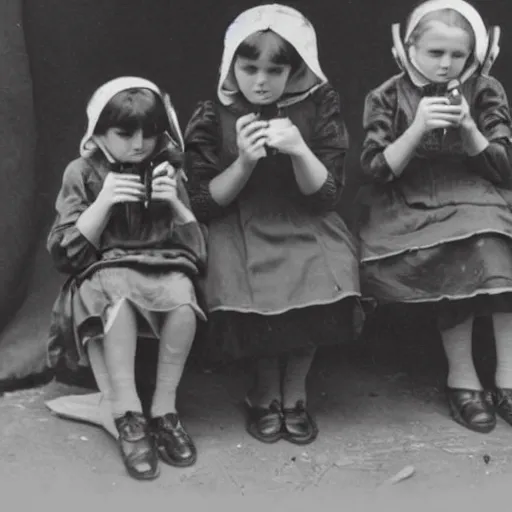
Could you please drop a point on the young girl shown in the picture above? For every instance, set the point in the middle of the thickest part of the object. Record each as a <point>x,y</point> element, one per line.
<point>436,223</point>
<point>265,168</point>
<point>132,247</point>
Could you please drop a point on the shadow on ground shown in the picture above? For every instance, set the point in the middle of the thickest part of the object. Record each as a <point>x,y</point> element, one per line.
<point>395,341</point>
<point>378,403</point>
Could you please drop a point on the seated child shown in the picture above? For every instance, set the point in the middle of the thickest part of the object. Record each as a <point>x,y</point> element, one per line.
<point>436,219</point>
<point>126,237</point>
<point>265,161</point>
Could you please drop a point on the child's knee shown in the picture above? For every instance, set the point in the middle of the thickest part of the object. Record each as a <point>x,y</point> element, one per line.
<point>184,314</point>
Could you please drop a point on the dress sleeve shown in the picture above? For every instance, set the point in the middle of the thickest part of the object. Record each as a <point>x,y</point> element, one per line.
<point>202,160</point>
<point>330,144</point>
<point>70,250</point>
<point>190,234</point>
<point>378,125</point>
<point>492,115</point>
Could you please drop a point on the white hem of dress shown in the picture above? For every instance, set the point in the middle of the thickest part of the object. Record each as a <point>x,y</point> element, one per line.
<point>112,314</point>
<point>494,291</point>
<point>434,244</point>
<point>284,310</point>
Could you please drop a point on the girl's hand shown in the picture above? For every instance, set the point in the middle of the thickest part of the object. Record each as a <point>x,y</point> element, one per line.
<point>121,188</point>
<point>164,169</point>
<point>466,122</point>
<point>251,138</point>
<point>436,112</point>
<point>284,136</point>
<point>164,186</point>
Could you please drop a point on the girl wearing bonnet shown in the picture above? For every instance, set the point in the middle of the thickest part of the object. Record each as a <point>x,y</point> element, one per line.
<point>435,219</point>
<point>132,248</point>
<point>265,166</point>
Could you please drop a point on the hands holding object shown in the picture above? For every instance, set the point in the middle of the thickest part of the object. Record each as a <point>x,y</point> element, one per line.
<point>260,135</point>
<point>444,112</point>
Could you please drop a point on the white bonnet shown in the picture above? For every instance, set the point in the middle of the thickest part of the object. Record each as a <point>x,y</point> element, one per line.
<point>288,23</point>
<point>107,91</point>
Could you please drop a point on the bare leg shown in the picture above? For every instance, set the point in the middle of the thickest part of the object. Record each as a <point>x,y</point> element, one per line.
<point>119,346</point>
<point>298,423</point>
<point>99,368</point>
<point>176,340</point>
<point>466,400</point>
<point>267,385</point>
<point>503,335</point>
<point>174,445</point>
<point>457,344</point>
<point>295,376</point>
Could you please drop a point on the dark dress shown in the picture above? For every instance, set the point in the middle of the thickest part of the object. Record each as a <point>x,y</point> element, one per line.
<point>144,257</point>
<point>282,267</point>
<point>440,233</point>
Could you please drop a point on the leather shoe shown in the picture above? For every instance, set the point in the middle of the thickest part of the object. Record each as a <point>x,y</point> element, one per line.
<point>471,409</point>
<point>136,445</point>
<point>299,426</point>
<point>502,399</point>
<point>173,443</point>
<point>265,423</point>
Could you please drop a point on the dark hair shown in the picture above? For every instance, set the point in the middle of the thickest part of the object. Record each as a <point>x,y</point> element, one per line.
<point>134,109</point>
<point>285,53</point>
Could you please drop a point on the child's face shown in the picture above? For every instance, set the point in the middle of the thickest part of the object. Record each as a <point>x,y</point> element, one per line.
<point>441,52</point>
<point>261,80</point>
<point>129,147</point>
